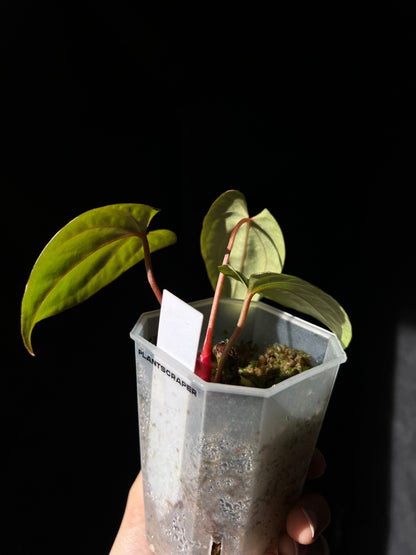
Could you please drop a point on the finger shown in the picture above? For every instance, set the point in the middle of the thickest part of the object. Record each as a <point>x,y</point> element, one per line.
<point>317,466</point>
<point>308,518</point>
<point>287,546</point>
<point>131,535</point>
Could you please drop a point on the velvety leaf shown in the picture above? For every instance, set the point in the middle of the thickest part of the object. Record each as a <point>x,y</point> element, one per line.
<point>88,253</point>
<point>230,271</point>
<point>258,247</point>
<point>293,292</point>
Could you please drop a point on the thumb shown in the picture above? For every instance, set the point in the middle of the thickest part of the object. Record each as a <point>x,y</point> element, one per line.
<point>130,539</point>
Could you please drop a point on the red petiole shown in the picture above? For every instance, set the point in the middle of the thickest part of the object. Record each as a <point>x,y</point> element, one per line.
<point>203,363</point>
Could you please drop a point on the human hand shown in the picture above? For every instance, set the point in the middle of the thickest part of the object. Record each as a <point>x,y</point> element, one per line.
<point>305,521</point>
<point>131,539</point>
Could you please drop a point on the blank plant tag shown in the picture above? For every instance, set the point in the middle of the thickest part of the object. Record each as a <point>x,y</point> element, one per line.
<point>179,329</point>
<point>178,336</point>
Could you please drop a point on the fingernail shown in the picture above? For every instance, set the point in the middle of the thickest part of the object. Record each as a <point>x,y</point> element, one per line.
<point>312,520</point>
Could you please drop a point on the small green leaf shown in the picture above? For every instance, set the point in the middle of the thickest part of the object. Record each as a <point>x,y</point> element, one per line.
<point>293,292</point>
<point>88,253</point>
<point>230,271</point>
<point>259,245</point>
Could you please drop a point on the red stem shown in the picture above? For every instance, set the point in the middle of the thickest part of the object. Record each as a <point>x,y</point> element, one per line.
<point>236,334</point>
<point>203,364</point>
<point>149,270</point>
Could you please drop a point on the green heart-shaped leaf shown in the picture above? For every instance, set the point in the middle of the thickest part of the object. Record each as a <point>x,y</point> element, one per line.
<point>88,253</point>
<point>259,245</point>
<point>300,295</point>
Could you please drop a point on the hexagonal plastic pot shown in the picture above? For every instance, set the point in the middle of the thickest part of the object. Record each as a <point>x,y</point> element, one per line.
<point>221,463</point>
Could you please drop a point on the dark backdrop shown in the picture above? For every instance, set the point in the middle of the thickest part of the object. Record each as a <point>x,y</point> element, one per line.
<point>309,115</point>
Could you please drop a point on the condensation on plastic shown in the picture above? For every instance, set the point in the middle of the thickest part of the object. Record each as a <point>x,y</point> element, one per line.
<point>222,463</point>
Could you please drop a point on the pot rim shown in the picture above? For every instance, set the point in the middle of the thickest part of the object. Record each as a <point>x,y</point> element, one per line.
<point>203,386</point>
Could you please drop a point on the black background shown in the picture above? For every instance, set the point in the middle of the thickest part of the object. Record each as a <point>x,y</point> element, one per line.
<point>309,114</point>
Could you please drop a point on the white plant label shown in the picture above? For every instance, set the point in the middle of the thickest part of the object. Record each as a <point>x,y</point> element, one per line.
<point>178,336</point>
<point>179,329</point>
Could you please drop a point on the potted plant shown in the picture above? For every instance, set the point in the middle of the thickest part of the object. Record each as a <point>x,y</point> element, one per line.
<point>225,444</point>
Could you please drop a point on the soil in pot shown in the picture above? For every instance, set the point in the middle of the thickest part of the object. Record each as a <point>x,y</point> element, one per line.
<point>245,367</point>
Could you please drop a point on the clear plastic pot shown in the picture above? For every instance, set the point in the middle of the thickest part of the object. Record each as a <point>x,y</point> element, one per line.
<point>222,464</point>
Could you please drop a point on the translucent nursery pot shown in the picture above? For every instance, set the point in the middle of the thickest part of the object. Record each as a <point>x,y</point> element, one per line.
<point>222,463</point>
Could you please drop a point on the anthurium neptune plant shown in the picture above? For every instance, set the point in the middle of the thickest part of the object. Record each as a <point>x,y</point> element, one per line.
<point>244,258</point>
